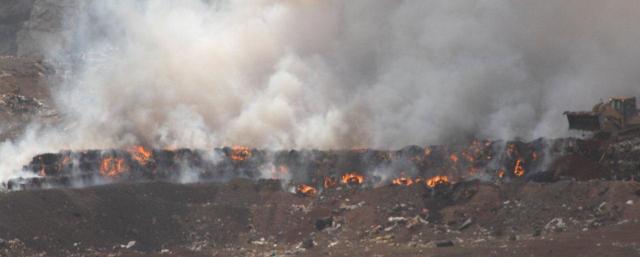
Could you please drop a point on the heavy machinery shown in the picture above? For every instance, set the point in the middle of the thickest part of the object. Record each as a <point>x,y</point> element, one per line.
<point>618,117</point>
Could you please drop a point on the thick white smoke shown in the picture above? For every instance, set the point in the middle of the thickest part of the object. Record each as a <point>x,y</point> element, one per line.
<point>334,74</point>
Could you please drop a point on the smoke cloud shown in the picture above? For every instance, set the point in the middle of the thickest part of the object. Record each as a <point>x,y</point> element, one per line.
<point>335,74</point>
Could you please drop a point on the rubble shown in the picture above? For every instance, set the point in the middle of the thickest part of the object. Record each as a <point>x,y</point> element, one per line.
<point>556,224</point>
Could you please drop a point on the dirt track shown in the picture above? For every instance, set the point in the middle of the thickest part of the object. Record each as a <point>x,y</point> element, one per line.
<point>242,218</point>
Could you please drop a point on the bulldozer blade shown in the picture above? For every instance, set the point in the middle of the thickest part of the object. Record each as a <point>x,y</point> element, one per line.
<point>587,121</point>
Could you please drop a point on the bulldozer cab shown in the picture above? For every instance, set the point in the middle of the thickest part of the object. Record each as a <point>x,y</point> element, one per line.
<point>626,106</point>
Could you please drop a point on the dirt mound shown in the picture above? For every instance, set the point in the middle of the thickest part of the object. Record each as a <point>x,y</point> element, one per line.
<point>578,167</point>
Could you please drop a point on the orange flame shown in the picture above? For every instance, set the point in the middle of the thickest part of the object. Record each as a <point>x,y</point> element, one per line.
<point>501,173</point>
<point>330,182</point>
<point>112,166</point>
<point>403,181</point>
<point>518,170</point>
<point>352,178</point>
<point>437,180</point>
<point>140,154</point>
<point>454,158</point>
<point>240,153</point>
<point>306,190</point>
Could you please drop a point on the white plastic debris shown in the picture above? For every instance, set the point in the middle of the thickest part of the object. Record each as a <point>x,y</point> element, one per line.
<point>130,244</point>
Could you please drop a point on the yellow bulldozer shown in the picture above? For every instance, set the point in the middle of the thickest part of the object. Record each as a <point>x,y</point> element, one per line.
<point>617,118</point>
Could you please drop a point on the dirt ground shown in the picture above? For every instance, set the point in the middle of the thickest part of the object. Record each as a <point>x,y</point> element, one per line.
<point>246,218</point>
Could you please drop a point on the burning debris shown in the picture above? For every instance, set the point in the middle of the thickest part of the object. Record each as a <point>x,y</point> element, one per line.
<point>518,170</point>
<point>306,190</point>
<point>430,166</point>
<point>352,178</point>
<point>240,153</point>
<point>404,181</point>
<point>140,154</point>
<point>437,180</point>
<point>112,166</point>
<point>330,182</point>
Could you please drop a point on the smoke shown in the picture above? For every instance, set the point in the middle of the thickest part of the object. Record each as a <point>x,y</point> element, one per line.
<point>335,74</point>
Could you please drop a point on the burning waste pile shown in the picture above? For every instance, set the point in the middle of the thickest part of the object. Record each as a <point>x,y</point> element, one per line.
<point>306,172</point>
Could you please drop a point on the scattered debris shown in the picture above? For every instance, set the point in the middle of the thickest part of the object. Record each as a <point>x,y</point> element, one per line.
<point>415,221</point>
<point>349,207</point>
<point>556,224</point>
<point>129,245</point>
<point>260,241</point>
<point>465,224</point>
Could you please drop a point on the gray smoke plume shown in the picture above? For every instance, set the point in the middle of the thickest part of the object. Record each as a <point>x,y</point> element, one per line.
<point>335,74</point>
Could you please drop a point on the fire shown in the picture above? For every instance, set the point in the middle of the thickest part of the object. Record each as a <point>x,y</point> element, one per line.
<point>437,180</point>
<point>352,178</point>
<point>454,158</point>
<point>330,182</point>
<point>403,181</point>
<point>306,190</point>
<point>501,173</point>
<point>112,166</point>
<point>518,170</point>
<point>240,153</point>
<point>140,154</point>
